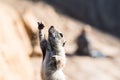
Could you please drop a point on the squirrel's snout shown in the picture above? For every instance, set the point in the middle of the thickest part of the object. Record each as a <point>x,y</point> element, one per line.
<point>51,29</point>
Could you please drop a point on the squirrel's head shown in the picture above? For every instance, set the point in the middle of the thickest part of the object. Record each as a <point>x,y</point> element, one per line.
<point>55,37</point>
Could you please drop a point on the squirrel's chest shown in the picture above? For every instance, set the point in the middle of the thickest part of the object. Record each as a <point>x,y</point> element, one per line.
<point>57,75</point>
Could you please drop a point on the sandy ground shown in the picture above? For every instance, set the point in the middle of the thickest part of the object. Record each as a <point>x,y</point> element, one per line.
<point>86,68</point>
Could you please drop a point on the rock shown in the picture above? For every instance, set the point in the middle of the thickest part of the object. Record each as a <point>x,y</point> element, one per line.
<point>14,25</point>
<point>30,21</point>
<point>47,14</point>
<point>96,12</point>
<point>15,46</point>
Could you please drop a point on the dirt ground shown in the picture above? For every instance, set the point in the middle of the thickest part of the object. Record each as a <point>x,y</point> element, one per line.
<point>86,68</point>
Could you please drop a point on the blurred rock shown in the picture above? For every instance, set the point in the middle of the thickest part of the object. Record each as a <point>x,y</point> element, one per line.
<point>15,46</point>
<point>101,14</point>
<point>34,12</point>
<point>32,28</point>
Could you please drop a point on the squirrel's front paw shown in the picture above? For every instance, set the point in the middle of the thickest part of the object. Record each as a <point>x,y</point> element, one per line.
<point>58,61</point>
<point>55,58</point>
<point>40,26</point>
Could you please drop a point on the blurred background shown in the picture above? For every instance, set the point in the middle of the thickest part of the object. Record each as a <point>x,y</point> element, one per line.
<point>90,27</point>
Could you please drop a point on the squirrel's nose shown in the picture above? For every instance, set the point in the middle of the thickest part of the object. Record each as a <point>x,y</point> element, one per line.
<point>52,27</point>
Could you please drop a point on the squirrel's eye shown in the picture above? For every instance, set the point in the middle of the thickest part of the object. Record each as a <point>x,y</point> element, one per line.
<point>61,34</point>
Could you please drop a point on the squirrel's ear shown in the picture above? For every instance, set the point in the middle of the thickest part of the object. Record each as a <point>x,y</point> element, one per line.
<point>61,34</point>
<point>64,43</point>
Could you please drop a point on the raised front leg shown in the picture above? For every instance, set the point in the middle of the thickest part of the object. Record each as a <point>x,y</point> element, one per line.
<point>41,34</point>
<point>43,41</point>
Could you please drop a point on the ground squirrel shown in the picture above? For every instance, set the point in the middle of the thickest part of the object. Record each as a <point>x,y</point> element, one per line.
<point>53,54</point>
<point>84,47</point>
